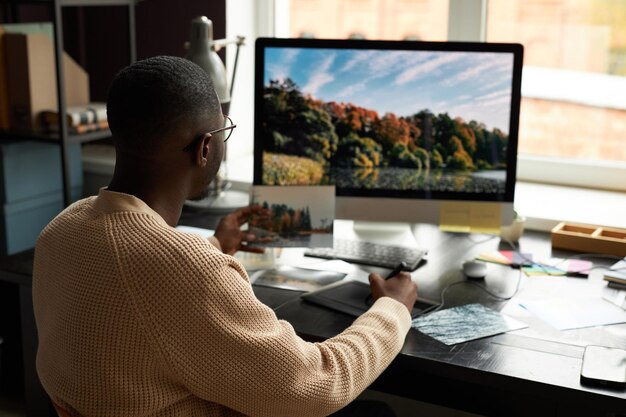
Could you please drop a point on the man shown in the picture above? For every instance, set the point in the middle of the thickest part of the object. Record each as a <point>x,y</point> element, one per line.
<point>136,318</point>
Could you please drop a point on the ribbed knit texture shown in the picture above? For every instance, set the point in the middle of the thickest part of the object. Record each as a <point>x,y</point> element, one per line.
<point>138,319</point>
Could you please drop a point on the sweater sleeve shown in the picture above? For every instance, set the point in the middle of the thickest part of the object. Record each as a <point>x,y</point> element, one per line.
<point>227,347</point>
<point>215,242</point>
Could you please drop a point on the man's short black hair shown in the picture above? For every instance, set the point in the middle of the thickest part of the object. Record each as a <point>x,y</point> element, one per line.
<point>152,98</point>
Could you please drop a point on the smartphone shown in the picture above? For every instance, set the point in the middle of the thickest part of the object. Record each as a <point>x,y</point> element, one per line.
<point>604,367</point>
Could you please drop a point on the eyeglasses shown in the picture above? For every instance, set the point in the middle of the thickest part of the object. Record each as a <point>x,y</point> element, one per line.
<point>227,129</point>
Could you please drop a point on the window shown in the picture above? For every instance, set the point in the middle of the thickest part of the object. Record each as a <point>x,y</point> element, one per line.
<point>370,19</point>
<point>573,115</point>
<point>573,110</point>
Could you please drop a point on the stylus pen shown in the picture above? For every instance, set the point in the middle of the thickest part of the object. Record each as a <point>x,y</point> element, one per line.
<point>399,268</point>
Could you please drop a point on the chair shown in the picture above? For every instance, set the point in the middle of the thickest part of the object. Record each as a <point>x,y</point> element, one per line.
<point>60,411</point>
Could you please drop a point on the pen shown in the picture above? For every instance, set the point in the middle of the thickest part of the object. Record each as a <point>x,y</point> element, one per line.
<point>395,271</point>
<point>399,268</point>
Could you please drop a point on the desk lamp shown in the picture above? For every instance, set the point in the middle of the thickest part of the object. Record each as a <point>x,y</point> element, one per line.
<point>202,49</point>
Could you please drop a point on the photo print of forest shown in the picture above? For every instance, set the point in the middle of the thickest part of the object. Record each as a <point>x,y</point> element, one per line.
<point>427,121</point>
<point>298,216</point>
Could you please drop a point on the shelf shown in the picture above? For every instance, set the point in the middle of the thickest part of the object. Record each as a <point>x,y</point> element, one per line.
<point>89,137</point>
<point>12,9</point>
<point>18,2</point>
<point>71,3</point>
<point>98,2</point>
<point>54,137</point>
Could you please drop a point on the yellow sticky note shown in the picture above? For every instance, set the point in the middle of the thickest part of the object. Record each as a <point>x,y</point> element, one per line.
<point>454,216</point>
<point>466,217</point>
<point>485,218</point>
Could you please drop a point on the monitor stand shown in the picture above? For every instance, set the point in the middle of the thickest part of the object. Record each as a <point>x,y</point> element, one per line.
<point>360,226</point>
<point>397,234</point>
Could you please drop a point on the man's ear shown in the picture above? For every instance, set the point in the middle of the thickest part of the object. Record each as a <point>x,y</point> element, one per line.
<point>202,150</point>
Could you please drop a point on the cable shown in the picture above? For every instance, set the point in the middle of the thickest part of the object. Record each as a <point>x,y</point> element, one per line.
<point>544,267</point>
<point>443,292</point>
<point>478,242</point>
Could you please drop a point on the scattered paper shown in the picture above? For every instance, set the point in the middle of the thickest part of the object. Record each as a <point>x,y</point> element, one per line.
<point>617,271</point>
<point>575,313</point>
<point>464,323</point>
<point>336,265</point>
<point>255,261</point>
<point>293,278</point>
<point>294,257</point>
<point>619,265</point>
<point>615,296</point>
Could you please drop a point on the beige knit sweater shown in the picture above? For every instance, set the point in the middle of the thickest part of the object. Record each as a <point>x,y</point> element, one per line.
<point>136,318</point>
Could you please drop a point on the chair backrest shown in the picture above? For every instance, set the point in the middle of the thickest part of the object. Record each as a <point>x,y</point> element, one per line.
<point>60,411</point>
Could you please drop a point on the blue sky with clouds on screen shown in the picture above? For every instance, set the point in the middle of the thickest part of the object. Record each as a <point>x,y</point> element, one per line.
<point>473,86</point>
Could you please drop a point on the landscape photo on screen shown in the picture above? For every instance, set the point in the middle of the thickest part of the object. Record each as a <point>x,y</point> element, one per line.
<point>431,121</point>
<point>299,216</point>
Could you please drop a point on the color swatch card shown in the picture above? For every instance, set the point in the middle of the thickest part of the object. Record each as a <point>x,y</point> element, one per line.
<point>559,267</point>
<point>465,323</point>
<point>550,266</point>
<point>506,257</point>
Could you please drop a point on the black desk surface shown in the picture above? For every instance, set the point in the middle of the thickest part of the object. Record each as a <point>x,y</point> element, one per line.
<point>534,373</point>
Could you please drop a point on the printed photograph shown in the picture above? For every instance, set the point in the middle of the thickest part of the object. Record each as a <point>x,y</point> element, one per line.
<point>293,278</point>
<point>299,216</point>
<point>393,120</point>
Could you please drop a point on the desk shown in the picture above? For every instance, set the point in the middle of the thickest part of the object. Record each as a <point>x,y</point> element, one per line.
<point>532,372</point>
<point>501,376</point>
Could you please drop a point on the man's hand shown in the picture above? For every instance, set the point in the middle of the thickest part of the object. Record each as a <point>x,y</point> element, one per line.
<point>229,232</point>
<point>399,287</point>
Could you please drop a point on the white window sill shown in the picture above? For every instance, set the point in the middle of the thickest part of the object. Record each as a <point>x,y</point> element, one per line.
<point>544,206</point>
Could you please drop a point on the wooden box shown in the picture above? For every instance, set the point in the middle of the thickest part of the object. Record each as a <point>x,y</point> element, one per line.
<point>31,77</point>
<point>589,239</point>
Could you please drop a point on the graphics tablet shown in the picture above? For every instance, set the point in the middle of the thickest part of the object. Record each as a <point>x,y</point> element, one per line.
<point>351,297</point>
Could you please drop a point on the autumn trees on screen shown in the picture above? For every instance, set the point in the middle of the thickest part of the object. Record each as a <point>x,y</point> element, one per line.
<point>319,135</point>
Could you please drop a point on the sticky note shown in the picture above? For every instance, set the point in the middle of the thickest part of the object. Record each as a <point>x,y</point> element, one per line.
<point>454,216</point>
<point>485,218</point>
<point>466,217</point>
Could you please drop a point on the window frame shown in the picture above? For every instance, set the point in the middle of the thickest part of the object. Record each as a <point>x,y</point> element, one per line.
<point>467,22</point>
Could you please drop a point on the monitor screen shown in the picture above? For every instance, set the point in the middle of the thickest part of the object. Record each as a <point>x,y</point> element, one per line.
<point>388,119</point>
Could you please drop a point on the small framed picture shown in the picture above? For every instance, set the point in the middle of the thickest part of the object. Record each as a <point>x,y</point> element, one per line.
<point>299,216</point>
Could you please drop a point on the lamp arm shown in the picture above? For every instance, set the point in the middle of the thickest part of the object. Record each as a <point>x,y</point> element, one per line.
<point>218,44</point>
<point>232,80</point>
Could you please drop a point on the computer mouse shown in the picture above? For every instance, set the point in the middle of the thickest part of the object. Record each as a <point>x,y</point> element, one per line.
<point>474,269</point>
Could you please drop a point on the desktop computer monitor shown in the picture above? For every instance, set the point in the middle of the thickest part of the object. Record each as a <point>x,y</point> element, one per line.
<point>397,126</point>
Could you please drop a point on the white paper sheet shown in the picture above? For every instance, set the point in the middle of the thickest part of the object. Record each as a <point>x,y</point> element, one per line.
<point>575,313</point>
